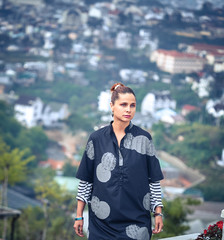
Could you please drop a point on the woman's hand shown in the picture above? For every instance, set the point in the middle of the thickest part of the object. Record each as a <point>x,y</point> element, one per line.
<point>78,226</point>
<point>158,225</point>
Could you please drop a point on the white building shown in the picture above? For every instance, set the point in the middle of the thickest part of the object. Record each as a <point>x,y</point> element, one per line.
<point>53,113</point>
<point>28,110</point>
<point>104,100</point>
<point>215,108</point>
<point>153,102</point>
<point>202,88</point>
<point>177,62</point>
<point>123,40</point>
<point>31,111</point>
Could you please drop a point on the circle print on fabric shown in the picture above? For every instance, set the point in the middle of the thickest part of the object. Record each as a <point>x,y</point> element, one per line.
<point>90,150</point>
<point>146,201</point>
<point>132,231</point>
<point>142,234</point>
<point>102,174</point>
<point>108,161</point>
<point>95,204</point>
<point>103,211</point>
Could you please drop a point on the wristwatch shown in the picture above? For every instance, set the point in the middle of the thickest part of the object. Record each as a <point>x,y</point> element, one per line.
<point>158,214</point>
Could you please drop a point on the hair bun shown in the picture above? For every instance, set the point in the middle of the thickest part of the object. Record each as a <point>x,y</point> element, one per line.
<point>116,85</point>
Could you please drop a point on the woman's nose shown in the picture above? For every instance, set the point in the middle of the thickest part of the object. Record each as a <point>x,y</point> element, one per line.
<point>128,109</point>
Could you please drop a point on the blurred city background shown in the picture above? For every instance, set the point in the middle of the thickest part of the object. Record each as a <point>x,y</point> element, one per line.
<point>58,60</point>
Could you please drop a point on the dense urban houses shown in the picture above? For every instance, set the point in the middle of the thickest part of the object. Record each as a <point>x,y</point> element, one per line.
<point>213,54</point>
<point>177,62</point>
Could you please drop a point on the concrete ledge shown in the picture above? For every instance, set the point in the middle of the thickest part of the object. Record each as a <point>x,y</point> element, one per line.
<point>183,237</point>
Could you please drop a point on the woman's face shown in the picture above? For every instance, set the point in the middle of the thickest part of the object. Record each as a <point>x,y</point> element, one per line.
<point>124,107</point>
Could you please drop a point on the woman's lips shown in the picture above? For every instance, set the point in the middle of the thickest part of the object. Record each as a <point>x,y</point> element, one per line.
<point>127,116</point>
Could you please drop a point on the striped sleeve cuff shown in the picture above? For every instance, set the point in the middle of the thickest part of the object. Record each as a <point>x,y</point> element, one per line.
<point>84,191</point>
<point>155,195</point>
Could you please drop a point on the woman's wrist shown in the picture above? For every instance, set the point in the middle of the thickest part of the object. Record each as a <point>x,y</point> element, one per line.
<point>79,218</point>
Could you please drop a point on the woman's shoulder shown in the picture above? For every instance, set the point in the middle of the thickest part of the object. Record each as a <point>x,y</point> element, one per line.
<point>99,132</point>
<point>139,131</point>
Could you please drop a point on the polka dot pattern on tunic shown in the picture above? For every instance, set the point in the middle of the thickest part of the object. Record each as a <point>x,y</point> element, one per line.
<point>135,232</point>
<point>100,208</point>
<point>146,201</point>
<point>90,150</point>
<point>140,144</point>
<point>103,170</point>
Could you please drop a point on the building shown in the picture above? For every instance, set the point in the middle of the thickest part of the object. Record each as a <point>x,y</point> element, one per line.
<point>155,101</point>
<point>104,101</point>
<point>177,62</point>
<point>214,54</point>
<point>187,109</point>
<point>28,2</point>
<point>54,112</point>
<point>31,111</point>
<point>28,110</point>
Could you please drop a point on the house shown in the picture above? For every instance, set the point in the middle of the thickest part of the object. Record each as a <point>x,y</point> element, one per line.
<point>28,2</point>
<point>186,109</point>
<point>202,87</point>
<point>52,113</point>
<point>123,40</point>
<point>104,101</point>
<point>31,111</point>
<point>168,116</point>
<point>155,101</point>
<point>28,110</point>
<point>177,62</point>
<point>214,54</point>
<point>133,75</point>
<point>215,107</point>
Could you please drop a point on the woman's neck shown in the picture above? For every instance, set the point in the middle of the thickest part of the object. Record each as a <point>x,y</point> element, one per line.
<point>119,126</point>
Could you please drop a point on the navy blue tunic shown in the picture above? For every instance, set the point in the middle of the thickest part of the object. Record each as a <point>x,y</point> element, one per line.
<point>120,202</point>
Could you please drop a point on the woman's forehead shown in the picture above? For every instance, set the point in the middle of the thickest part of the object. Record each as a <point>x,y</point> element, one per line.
<point>126,97</point>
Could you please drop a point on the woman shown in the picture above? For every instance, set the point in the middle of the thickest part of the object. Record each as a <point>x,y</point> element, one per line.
<point>119,177</point>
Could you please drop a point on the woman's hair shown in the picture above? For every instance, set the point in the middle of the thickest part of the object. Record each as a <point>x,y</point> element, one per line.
<point>119,88</point>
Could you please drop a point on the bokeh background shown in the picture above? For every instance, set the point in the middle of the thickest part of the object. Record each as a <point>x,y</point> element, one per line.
<point>58,60</point>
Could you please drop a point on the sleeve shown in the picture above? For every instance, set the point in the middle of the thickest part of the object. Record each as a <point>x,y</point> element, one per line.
<point>155,196</point>
<point>86,167</point>
<point>84,191</point>
<point>154,169</point>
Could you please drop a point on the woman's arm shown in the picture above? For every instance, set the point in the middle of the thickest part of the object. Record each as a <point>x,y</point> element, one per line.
<point>83,196</point>
<point>156,205</point>
<point>78,225</point>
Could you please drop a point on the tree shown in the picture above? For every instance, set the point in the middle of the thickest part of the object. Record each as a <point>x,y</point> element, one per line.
<point>13,168</point>
<point>52,197</point>
<point>175,218</point>
<point>69,170</point>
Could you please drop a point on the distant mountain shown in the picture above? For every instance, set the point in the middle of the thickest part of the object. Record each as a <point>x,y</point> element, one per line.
<point>192,4</point>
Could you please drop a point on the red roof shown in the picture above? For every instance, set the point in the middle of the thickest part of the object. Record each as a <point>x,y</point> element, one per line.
<point>190,107</point>
<point>177,54</point>
<point>54,164</point>
<point>207,47</point>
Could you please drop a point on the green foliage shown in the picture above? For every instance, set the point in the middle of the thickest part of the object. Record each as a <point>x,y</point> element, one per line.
<point>77,122</point>
<point>212,187</point>
<point>199,146</point>
<point>35,139</point>
<point>30,223</point>
<point>175,218</point>
<point>69,170</point>
<point>183,94</point>
<point>17,136</point>
<point>13,164</point>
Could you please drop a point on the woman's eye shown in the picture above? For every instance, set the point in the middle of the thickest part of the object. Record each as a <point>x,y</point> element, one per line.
<point>133,105</point>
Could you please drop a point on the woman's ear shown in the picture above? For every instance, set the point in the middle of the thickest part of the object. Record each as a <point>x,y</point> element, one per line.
<point>112,106</point>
